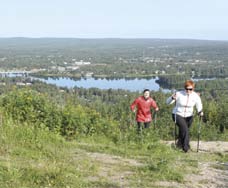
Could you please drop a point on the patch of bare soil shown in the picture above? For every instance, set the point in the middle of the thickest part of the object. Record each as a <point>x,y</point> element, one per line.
<point>212,147</point>
<point>116,169</point>
<point>211,175</point>
<point>208,177</point>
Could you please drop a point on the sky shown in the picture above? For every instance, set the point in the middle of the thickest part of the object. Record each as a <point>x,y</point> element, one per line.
<point>182,19</point>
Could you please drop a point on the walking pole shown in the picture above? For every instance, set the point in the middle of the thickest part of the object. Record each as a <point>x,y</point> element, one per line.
<point>132,117</point>
<point>175,130</point>
<point>199,127</point>
<point>155,119</point>
<point>175,121</point>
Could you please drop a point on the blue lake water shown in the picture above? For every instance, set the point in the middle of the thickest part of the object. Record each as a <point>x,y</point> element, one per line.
<point>127,84</point>
<point>136,84</point>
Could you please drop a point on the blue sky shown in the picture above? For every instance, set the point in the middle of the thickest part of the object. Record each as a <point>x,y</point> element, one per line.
<point>191,19</point>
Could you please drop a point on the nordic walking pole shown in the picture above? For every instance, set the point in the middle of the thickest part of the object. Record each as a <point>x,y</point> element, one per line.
<point>199,127</point>
<point>174,114</point>
<point>132,117</point>
<point>175,130</point>
<point>175,120</point>
<point>155,119</point>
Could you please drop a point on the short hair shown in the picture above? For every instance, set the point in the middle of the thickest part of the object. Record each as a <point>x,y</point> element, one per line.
<point>145,90</point>
<point>189,83</point>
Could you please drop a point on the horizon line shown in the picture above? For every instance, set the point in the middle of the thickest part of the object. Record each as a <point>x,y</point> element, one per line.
<point>123,38</point>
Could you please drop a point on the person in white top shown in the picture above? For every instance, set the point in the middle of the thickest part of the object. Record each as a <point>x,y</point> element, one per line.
<point>182,113</point>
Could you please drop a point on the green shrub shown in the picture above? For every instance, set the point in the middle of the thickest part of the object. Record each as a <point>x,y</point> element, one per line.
<point>32,107</point>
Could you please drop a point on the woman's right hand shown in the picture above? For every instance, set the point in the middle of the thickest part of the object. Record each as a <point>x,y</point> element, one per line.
<point>174,96</point>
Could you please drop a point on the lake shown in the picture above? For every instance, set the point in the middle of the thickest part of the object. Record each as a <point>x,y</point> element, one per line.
<point>135,84</point>
<point>127,84</point>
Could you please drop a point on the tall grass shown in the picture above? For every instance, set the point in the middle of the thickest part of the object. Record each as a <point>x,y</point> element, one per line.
<point>35,157</point>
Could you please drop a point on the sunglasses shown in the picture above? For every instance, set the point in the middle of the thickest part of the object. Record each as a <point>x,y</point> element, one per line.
<point>189,89</point>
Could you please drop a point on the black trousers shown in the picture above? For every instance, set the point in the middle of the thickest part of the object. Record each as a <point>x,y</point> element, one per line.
<point>142,125</point>
<point>184,123</point>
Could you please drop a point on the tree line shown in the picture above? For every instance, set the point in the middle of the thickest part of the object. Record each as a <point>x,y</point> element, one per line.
<point>89,112</point>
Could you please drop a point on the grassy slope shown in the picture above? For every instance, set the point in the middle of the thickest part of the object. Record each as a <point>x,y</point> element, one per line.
<point>35,158</point>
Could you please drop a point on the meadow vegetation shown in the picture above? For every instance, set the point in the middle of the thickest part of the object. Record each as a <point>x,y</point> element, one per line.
<point>87,138</point>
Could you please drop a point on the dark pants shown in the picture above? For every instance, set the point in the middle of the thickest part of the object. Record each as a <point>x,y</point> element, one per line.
<point>140,125</point>
<point>184,125</point>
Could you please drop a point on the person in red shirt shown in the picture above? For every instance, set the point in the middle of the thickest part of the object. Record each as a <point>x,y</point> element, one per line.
<point>143,104</point>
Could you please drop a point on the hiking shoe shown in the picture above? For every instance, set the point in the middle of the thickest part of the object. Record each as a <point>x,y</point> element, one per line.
<point>179,145</point>
<point>185,150</point>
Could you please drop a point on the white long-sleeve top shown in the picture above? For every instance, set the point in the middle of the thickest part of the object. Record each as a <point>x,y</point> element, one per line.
<point>185,103</point>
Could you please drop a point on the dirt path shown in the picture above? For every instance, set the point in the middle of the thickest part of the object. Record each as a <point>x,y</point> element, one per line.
<point>211,174</point>
<point>116,169</point>
<point>212,147</point>
<point>208,177</point>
